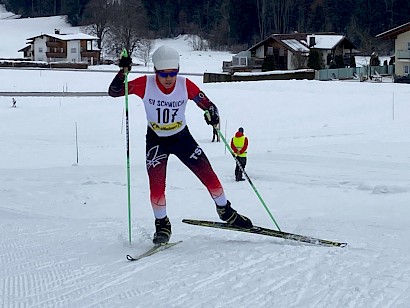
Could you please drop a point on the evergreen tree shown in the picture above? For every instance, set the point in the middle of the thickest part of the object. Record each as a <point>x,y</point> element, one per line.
<point>315,59</point>
<point>268,63</point>
<point>374,60</point>
<point>339,61</point>
<point>234,22</point>
<point>352,61</point>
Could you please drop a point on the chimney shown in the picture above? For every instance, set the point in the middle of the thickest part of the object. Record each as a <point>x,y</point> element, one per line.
<point>56,31</point>
<point>312,41</point>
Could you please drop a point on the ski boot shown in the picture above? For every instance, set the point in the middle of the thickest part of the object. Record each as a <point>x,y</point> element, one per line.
<point>162,231</point>
<point>228,214</point>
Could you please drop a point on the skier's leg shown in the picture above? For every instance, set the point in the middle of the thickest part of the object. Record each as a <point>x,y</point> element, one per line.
<point>156,163</point>
<point>190,154</point>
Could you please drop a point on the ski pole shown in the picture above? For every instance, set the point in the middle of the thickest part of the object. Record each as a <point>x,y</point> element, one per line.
<point>247,177</point>
<point>124,53</point>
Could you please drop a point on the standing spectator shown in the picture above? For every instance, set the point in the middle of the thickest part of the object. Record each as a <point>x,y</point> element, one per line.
<point>239,146</point>
<point>215,134</point>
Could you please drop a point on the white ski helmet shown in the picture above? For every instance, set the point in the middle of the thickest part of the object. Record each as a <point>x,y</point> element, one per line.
<point>165,58</point>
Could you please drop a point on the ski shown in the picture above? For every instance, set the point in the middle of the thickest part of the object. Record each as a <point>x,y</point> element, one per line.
<point>151,251</point>
<point>265,231</point>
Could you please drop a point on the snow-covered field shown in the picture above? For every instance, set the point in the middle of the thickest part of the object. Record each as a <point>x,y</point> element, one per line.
<point>330,159</point>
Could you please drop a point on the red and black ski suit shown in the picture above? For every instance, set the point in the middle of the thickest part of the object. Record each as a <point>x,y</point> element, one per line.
<point>167,133</point>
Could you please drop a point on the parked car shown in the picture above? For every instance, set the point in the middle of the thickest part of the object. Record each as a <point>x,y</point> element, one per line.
<point>402,79</point>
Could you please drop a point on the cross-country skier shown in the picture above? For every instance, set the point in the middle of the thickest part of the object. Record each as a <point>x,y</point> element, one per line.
<point>165,96</point>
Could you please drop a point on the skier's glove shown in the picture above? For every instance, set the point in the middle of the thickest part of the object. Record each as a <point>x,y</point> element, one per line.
<point>125,63</point>
<point>211,116</point>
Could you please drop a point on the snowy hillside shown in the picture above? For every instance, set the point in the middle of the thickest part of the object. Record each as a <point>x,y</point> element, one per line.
<point>15,32</point>
<point>330,159</point>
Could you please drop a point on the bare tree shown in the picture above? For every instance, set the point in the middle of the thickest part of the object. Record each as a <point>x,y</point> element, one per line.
<point>127,27</point>
<point>262,17</point>
<point>96,17</point>
<point>144,50</point>
<point>281,15</point>
<point>389,10</point>
<point>198,43</point>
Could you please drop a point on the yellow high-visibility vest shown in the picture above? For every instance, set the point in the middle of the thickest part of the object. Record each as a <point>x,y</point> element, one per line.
<point>239,142</point>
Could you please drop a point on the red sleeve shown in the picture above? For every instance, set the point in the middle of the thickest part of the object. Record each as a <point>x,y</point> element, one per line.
<point>245,146</point>
<point>233,147</point>
<point>199,97</point>
<point>192,89</point>
<point>137,86</point>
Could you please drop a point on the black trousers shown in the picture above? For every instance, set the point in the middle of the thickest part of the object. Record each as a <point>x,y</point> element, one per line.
<point>215,135</point>
<point>238,171</point>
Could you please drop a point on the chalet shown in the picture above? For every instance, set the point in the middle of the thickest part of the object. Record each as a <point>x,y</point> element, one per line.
<point>291,51</point>
<point>330,46</point>
<point>56,47</point>
<point>285,48</point>
<point>401,37</point>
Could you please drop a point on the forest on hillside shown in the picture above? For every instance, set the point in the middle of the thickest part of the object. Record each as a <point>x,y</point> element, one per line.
<point>226,24</point>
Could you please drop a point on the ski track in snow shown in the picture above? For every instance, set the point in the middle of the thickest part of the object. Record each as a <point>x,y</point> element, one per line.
<point>49,267</point>
<point>57,261</point>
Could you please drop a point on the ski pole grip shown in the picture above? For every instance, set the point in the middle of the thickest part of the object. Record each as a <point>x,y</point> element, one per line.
<point>124,53</point>
<point>207,115</point>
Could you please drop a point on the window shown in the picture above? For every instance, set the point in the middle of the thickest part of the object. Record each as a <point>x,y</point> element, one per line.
<point>406,70</point>
<point>74,50</point>
<point>40,49</point>
<point>408,45</point>
<point>270,51</point>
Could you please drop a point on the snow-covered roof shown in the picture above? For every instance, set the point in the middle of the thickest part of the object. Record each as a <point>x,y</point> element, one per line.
<point>243,54</point>
<point>68,37</point>
<point>295,45</point>
<point>326,41</point>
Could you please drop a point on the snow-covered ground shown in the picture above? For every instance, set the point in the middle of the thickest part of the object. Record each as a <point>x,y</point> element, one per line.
<point>330,159</point>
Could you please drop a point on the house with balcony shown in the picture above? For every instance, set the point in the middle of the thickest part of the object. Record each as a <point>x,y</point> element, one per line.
<point>401,37</point>
<point>57,47</point>
<point>291,51</point>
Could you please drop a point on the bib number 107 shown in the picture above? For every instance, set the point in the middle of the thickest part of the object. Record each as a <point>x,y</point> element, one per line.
<point>166,115</point>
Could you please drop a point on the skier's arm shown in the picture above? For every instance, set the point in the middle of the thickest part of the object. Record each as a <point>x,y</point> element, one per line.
<point>203,102</point>
<point>136,86</point>
<point>198,96</point>
<point>117,88</point>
